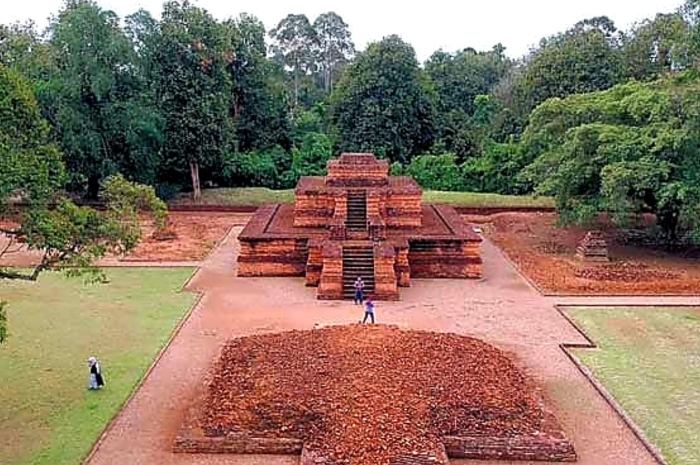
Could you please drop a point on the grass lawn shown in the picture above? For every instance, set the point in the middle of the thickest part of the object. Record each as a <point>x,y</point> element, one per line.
<point>47,415</point>
<point>259,196</point>
<point>649,360</point>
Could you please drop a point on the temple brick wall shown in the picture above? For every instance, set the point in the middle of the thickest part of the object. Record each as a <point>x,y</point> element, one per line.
<point>237,444</point>
<point>385,282</point>
<point>273,257</point>
<point>403,267</point>
<point>330,286</point>
<point>314,264</point>
<point>313,209</point>
<point>444,259</point>
<point>544,448</point>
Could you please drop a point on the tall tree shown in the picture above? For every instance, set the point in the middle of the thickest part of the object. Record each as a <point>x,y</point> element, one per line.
<point>656,46</point>
<point>21,48</point>
<point>585,58</point>
<point>335,47</point>
<point>193,87</point>
<point>259,99</point>
<point>382,103</point>
<point>458,79</point>
<point>93,97</point>
<point>294,40</point>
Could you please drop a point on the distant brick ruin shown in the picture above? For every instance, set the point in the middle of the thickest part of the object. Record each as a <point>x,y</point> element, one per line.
<point>593,248</point>
<point>359,221</point>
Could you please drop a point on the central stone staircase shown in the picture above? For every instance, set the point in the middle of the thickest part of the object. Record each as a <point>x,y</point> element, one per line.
<point>357,212</point>
<point>358,261</point>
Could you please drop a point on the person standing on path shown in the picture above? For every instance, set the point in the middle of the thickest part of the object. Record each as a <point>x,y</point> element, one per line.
<point>96,379</point>
<point>359,290</point>
<point>369,310</point>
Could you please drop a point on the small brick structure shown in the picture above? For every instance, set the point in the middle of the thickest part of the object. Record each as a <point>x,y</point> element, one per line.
<point>593,248</point>
<point>357,207</point>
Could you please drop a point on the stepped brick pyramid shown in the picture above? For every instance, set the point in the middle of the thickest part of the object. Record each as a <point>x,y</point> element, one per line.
<point>378,395</point>
<point>593,248</point>
<point>359,221</point>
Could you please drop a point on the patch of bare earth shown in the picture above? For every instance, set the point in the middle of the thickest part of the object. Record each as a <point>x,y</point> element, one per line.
<point>545,253</point>
<point>194,236</point>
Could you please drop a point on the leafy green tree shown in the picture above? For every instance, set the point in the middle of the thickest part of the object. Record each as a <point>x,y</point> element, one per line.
<point>690,11</point>
<point>311,158</point>
<point>30,163</point>
<point>384,104</point>
<point>255,169</point>
<point>584,59</point>
<point>334,46</point>
<point>627,150</point>
<point>70,237</point>
<point>22,49</point>
<point>436,172</point>
<point>294,40</point>
<point>95,98</point>
<point>308,121</point>
<point>656,46</point>
<point>495,169</point>
<point>193,91</point>
<point>459,77</point>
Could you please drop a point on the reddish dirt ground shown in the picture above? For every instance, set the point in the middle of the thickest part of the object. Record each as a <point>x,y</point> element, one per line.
<point>344,384</point>
<point>545,254</point>
<point>196,234</point>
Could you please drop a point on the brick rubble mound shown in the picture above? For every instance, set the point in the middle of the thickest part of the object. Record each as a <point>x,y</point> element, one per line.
<point>367,395</point>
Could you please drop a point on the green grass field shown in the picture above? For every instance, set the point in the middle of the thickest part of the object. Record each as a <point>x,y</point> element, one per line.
<point>255,196</point>
<point>47,415</point>
<point>649,360</point>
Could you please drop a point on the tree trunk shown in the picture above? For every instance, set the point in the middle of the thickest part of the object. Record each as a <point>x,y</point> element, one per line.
<point>93,187</point>
<point>196,187</point>
<point>296,86</point>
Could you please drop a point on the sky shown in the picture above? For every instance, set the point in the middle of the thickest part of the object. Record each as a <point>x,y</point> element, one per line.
<point>427,25</point>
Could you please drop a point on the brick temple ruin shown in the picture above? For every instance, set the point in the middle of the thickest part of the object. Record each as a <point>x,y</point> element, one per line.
<point>359,221</point>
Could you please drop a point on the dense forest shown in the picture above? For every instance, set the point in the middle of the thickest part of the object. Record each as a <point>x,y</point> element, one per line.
<point>600,118</point>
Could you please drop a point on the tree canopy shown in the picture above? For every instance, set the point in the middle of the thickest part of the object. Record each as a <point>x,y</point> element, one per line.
<point>382,103</point>
<point>189,100</point>
<point>628,150</point>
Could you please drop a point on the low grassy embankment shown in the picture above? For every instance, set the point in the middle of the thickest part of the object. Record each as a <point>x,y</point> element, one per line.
<point>47,415</point>
<point>255,196</point>
<point>648,360</point>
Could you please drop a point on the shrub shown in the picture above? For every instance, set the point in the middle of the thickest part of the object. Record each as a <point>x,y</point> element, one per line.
<point>436,172</point>
<point>252,169</point>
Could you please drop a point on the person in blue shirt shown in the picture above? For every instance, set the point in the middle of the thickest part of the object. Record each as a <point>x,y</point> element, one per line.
<point>359,290</point>
<point>369,310</point>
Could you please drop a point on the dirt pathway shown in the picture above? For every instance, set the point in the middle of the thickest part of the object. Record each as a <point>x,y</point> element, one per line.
<point>501,309</point>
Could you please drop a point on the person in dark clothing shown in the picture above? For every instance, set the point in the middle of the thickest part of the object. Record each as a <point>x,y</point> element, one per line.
<point>359,290</point>
<point>369,310</point>
<point>96,379</point>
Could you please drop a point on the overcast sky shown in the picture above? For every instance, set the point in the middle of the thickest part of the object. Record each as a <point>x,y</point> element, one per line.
<point>427,25</point>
